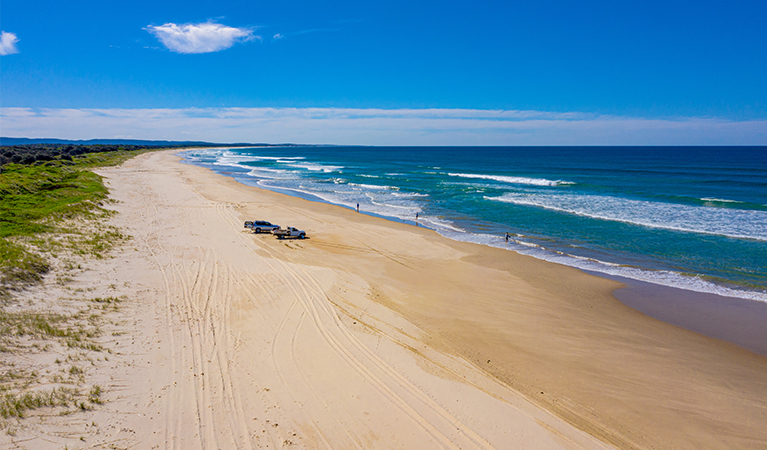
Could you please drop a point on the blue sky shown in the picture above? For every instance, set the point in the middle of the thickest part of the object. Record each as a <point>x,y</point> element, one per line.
<point>676,63</point>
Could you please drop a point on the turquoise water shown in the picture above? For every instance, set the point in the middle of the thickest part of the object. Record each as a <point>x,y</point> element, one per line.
<point>689,217</point>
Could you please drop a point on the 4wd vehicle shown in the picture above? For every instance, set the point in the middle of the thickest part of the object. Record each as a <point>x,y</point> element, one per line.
<point>261,225</point>
<point>289,232</point>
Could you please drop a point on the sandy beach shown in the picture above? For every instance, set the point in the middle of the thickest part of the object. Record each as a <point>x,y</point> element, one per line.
<point>376,334</point>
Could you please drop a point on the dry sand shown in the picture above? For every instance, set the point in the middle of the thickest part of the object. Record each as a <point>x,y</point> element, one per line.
<point>374,334</point>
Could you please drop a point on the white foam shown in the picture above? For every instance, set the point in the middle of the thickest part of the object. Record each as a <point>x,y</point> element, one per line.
<point>231,161</point>
<point>410,208</point>
<point>408,194</point>
<point>525,244</point>
<point>265,172</point>
<point>227,158</point>
<point>730,222</point>
<point>513,180</point>
<point>440,224</point>
<point>374,186</point>
<point>279,159</point>
<point>720,200</point>
<point>316,167</point>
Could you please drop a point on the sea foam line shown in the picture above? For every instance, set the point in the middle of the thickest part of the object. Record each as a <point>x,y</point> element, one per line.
<point>316,167</point>
<point>734,223</point>
<point>514,180</point>
<point>349,199</point>
<point>720,200</point>
<point>374,186</point>
<point>251,157</point>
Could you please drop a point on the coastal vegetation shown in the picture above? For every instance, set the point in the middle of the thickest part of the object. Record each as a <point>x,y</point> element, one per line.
<point>40,153</point>
<point>52,207</point>
<point>52,221</point>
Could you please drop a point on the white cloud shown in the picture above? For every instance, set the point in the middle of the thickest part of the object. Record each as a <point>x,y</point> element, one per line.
<point>200,38</point>
<point>277,36</point>
<point>379,126</point>
<point>8,43</point>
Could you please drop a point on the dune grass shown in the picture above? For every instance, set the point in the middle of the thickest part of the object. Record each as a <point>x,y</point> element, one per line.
<point>14,325</point>
<point>41,203</point>
<point>34,198</point>
<point>15,404</point>
<point>52,218</point>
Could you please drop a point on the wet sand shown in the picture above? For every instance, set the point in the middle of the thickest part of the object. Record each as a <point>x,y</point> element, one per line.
<point>740,321</point>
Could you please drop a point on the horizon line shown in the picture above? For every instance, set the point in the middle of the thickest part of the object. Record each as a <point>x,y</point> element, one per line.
<point>381,127</point>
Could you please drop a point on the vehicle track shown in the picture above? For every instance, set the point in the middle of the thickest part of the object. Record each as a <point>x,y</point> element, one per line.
<point>315,305</point>
<point>388,381</point>
<point>199,352</point>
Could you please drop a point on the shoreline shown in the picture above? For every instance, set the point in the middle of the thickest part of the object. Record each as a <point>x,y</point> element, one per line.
<point>739,320</point>
<point>662,278</point>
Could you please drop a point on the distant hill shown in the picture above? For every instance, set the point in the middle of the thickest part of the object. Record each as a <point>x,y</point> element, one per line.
<point>28,141</point>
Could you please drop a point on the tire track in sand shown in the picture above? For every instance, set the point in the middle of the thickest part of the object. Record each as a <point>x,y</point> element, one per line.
<point>228,215</point>
<point>190,298</point>
<point>315,304</point>
<point>150,242</point>
<point>402,381</point>
<point>388,381</point>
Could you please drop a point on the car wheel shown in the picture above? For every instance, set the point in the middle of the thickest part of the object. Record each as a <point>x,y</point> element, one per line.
<point>301,236</point>
<point>258,230</point>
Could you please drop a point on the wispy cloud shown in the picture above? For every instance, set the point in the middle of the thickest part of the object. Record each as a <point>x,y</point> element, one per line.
<point>379,126</point>
<point>8,43</point>
<point>315,30</point>
<point>279,36</point>
<point>201,37</point>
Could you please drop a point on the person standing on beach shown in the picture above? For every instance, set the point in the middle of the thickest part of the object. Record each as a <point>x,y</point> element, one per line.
<point>416,219</point>
<point>507,237</point>
<point>358,207</point>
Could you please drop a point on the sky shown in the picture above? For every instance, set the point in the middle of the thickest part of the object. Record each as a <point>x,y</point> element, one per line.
<point>387,73</point>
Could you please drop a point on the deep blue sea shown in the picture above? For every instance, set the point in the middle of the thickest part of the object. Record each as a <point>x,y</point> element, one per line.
<point>689,217</point>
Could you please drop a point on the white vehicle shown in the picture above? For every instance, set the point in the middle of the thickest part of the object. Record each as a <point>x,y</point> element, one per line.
<point>289,232</point>
<point>261,225</point>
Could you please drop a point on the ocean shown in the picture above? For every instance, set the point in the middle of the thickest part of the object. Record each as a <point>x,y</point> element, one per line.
<point>688,217</point>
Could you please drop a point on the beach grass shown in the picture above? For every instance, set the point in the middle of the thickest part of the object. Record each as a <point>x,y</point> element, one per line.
<point>49,207</point>
<point>15,404</point>
<point>52,220</point>
<point>71,330</point>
